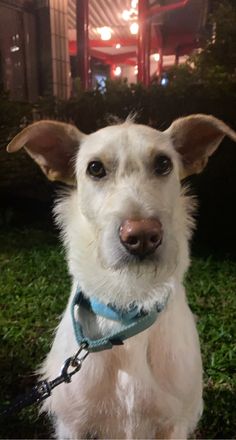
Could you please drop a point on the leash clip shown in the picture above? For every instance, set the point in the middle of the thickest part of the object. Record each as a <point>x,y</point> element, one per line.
<point>74,363</point>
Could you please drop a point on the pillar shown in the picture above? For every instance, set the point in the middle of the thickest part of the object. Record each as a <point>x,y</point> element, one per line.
<point>160,51</point>
<point>82,21</point>
<point>144,43</point>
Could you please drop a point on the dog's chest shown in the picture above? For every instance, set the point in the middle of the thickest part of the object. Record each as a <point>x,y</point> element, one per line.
<point>137,399</point>
<point>116,396</point>
<point>126,406</point>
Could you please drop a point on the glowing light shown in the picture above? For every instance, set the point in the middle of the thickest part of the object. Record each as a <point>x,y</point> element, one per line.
<point>133,28</point>
<point>156,57</point>
<point>105,33</point>
<point>118,46</point>
<point>126,15</point>
<point>134,4</point>
<point>164,82</point>
<point>117,71</point>
<point>14,48</point>
<point>136,69</point>
<point>132,13</point>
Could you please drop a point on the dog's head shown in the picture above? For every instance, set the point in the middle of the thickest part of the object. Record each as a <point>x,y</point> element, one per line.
<point>127,223</point>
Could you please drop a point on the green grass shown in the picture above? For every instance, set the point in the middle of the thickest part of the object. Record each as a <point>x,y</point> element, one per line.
<point>211,286</point>
<point>34,288</point>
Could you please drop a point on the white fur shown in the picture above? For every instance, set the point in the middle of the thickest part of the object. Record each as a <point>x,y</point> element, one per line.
<point>152,386</point>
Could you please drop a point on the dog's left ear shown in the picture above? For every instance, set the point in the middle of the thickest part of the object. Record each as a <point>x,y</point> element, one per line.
<point>53,146</point>
<point>196,137</point>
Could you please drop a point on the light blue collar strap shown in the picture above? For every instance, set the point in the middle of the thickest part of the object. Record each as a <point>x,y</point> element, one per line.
<point>111,312</point>
<point>132,320</point>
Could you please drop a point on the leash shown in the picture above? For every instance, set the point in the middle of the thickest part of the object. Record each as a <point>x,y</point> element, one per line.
<point>132,320</point>
<point>43,389</point>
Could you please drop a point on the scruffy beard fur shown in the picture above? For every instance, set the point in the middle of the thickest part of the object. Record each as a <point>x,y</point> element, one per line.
<point>105,270</point>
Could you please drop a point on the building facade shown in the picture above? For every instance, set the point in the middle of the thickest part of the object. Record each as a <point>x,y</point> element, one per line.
<point>53,47</point>
<point>34,54</point>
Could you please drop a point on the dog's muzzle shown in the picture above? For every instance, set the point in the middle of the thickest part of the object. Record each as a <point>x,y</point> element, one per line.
<point>141,237</point>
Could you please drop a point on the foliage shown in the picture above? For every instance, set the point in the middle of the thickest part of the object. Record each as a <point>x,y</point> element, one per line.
<point>34,288</point>
<point>214,67</point>
<point>220,49</point>
<point>12,116</point>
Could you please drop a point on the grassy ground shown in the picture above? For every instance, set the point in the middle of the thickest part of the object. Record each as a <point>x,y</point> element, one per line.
<point>34,287</point>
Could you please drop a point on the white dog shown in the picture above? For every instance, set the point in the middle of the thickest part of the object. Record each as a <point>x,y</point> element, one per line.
<point>126,226</point>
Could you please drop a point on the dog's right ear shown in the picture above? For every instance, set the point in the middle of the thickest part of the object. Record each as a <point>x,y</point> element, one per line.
<point>53,145</point>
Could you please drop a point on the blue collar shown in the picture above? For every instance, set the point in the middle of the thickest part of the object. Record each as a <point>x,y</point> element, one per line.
<point>132,320</point>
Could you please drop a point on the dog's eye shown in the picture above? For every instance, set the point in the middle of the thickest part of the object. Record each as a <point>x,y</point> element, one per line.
<point>163,165</point>
<point>96,169</point>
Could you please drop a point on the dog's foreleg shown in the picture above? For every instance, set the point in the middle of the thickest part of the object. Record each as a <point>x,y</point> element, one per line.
<point>179,431</point>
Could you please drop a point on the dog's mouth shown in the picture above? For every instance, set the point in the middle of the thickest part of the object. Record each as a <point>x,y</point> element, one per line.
<point>143,258</point>
<point>125,259</point>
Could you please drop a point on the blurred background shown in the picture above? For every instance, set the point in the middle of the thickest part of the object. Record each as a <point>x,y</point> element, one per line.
<point>86,62</point>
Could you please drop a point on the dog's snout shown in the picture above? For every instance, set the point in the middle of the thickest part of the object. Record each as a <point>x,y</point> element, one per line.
<point>141,237</point>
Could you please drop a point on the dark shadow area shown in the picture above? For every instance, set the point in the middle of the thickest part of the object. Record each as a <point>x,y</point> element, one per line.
<point>21,212</point>
<point>215,192</point>
<point>218,421</point>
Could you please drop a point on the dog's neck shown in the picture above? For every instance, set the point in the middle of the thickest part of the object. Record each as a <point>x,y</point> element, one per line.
<point>101,326</point>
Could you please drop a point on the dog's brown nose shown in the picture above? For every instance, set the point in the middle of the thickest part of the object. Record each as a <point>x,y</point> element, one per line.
<point>141,237</point>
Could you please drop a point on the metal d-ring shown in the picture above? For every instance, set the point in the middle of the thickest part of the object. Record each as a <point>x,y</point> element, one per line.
<point>75,362</point>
